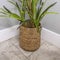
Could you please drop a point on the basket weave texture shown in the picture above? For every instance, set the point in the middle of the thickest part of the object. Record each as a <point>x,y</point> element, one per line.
<point>29,38</point>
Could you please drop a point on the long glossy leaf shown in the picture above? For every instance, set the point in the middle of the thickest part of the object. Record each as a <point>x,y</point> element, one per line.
<point>28,9</point>
<point>34,11</point>
<point>16,5</point>
<point>28,6</point>
<point>41,8</point>
<point>3,12</point>
<point>3,16</point>
<point>7,9</point>
<point>52,13</point>
<point>28,3</point>
<point>15,16</point>
<point>40,2</point>
<point>13,3</point>
<point>44,12</point>
<point>23,8</point>
<point>47,13</point>
<point>18,8</point>
<point>29,13</point>
<point>20,1</point>
<point>34,8</point>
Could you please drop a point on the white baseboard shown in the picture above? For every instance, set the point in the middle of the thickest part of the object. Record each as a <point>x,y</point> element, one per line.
<point>51,37</point>
<point>47,35</point>
<point>8,33</point>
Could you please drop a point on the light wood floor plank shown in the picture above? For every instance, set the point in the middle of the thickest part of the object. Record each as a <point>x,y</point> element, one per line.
<point>10,50</point>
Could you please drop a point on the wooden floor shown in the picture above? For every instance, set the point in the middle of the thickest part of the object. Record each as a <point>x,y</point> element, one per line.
<point>10,50</point>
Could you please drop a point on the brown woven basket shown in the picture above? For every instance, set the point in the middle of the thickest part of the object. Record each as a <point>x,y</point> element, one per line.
<point>29,38</point>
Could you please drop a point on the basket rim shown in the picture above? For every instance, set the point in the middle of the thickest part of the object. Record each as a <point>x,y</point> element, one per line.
<point>30,27</point>
<point>22,25</point>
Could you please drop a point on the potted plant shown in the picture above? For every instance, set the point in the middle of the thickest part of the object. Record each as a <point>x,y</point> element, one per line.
<point>30,29</point>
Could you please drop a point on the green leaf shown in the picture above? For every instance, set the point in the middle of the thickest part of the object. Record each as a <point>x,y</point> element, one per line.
<point>29,13</point>
<point>34,9</point>
<point>52,13</point>
<point>7,9</point>
<point>20,1</point>
<point>39,11</point>
<point>3,10</point>
<point>3,16</point>
<point>12,2</point>
<point>40,2</point>
<point>45,11</point>
<point>15,16</point>
<point>18,8</point>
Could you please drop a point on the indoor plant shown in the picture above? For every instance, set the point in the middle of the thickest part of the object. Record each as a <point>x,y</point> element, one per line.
<point>30,29</point>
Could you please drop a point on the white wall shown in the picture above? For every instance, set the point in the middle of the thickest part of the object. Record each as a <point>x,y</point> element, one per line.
<point>7,22</point>
<point>52,22</point>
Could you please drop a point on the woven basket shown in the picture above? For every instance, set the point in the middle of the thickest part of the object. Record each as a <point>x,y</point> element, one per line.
<point>29,38</point>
